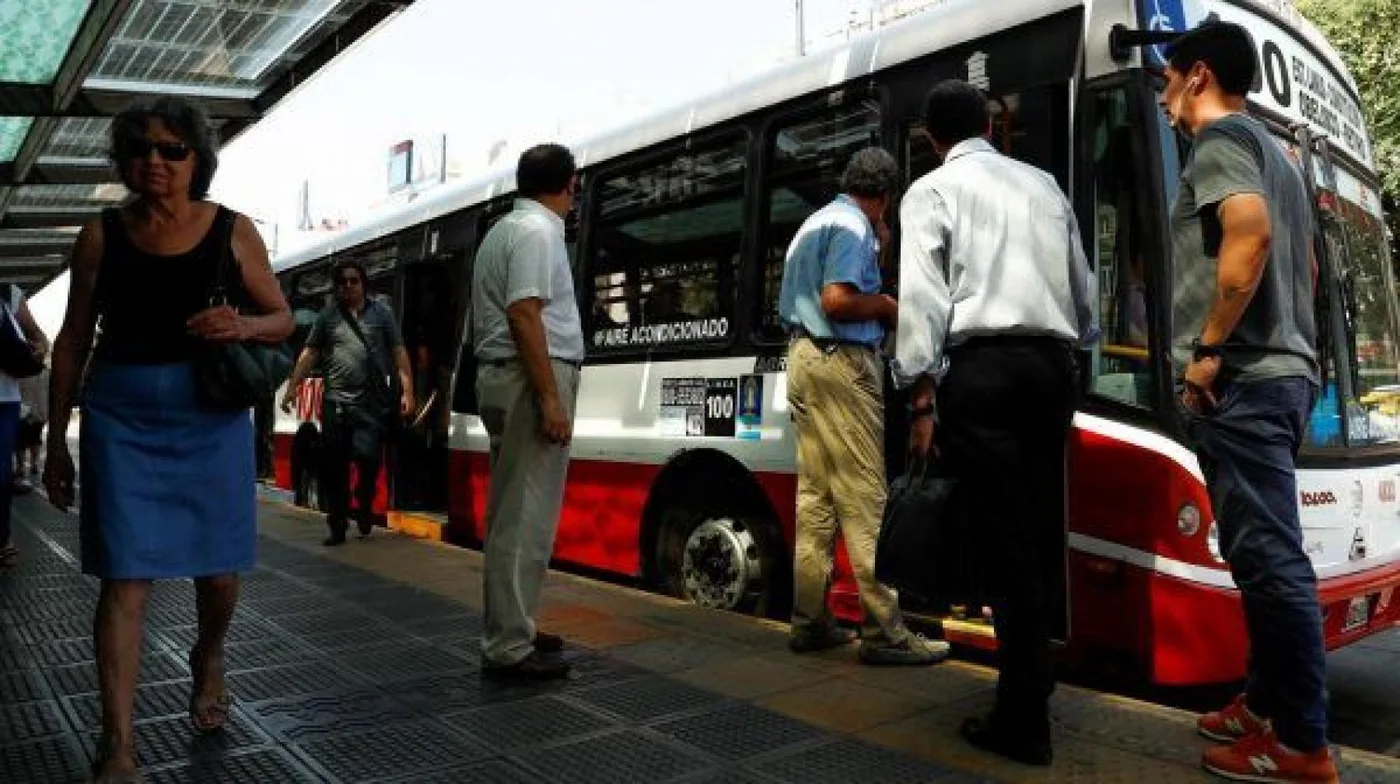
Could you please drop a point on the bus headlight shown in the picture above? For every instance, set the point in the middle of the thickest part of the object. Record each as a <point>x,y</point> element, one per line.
<point>1188,520</point>
<point>1213,543</point>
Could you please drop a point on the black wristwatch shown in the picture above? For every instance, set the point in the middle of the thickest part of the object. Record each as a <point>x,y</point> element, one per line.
<point>1200,351</point>
<point>916,412</point>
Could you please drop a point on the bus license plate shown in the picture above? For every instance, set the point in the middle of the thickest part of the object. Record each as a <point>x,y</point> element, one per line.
<point>1358,613</point>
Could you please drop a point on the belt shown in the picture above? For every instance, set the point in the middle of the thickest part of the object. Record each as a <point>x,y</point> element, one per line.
<point>1013,341</point>
<point>829,345</point>
<point>500,362</point>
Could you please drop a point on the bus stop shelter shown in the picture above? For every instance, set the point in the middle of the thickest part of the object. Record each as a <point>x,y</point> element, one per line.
<point>68,66</point>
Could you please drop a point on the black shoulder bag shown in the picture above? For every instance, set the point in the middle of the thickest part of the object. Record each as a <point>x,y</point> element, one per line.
<point>234,376</point>
<point>383,390</point>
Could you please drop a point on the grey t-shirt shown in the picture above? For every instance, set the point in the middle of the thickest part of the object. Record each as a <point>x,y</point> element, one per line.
<point>1277,335</point>
<point>346,363</point>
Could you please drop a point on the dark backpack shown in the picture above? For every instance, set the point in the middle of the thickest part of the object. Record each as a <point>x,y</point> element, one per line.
<point>17,358</point>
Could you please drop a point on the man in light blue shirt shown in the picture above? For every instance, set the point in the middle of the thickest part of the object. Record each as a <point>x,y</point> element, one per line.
<point>831,303</point>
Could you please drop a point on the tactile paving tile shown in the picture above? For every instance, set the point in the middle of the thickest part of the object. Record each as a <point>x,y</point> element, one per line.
<point>264,653</point>
<point>445,693</point>
<point>261,766</point>
<point>310,716</point>
<point>323,621</point>
<point>738,776</point>
<point>163,617</point>
<point>843,761</point>
<point>527,723</point>
<point>63,629</point>
<point>30,720</point>
<point>647,698</point>
<point>455,625</point>
<point>243,629</point>
<point>153,701</point>
<point>370,636</point>
<point>38,609</point>
<point>288,681</point>
<point>22,686</point>
<point>391,750</point>
<point>172,740</point>
<point>489,772</point>
<point>407,663</point>
<point>624,756</point>
<point>56,760</point>
<point>674,654</point>
<point>292,605</point>
<point>15,658</point>
<point>61,652</point>
<point>738,732</point>
<point>82,678</point>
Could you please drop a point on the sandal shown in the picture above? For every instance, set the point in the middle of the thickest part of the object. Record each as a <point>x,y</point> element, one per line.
<point>9,557</point>
<point>211,716</point>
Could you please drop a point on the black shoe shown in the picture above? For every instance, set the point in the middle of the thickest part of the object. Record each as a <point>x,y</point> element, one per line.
<point>365,529</point>
<point>334,540</point>
<point>548,643</point>
<point>534,667</point>
<point>1025,747</point>
<point>819,638</point>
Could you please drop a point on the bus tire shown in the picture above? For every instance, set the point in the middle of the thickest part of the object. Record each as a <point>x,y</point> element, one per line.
<point>723,554</point>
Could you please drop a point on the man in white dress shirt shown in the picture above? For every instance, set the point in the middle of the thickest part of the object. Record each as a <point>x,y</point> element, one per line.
<point>528,341</point>
<point>995,297</point>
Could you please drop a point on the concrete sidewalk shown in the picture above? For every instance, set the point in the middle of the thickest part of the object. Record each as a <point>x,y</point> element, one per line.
<point>361,664</point>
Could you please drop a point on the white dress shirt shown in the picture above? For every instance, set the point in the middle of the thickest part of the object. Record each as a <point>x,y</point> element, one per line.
<point>524,256</point>
<point>988,246</point>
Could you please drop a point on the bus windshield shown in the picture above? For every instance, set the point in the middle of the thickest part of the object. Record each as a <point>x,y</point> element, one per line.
<point>1357,236</point>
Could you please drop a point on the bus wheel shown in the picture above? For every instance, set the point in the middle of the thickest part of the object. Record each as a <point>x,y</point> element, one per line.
<point>721,560</point>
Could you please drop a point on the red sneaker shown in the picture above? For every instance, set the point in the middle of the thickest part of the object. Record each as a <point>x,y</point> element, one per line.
<point>1260,757</point>
<point>1231,723</point>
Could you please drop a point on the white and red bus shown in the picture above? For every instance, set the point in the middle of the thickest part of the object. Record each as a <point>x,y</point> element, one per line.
<point>683,459</point>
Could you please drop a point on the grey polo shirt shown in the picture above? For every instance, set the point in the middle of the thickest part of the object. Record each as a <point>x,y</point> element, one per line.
<point>524,256</point>
<point>346,362</point>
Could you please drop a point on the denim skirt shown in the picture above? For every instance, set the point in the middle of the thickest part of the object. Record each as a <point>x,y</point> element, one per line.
<point>165,486</point>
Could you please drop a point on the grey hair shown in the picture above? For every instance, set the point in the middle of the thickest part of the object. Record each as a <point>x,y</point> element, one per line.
<point>872,172</point>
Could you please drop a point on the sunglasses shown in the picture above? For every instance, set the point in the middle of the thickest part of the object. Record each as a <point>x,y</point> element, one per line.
<point>170,151</point>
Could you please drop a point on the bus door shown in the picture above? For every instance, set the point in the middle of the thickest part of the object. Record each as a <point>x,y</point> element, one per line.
<point>428,309</point>
<point>1031,125</point>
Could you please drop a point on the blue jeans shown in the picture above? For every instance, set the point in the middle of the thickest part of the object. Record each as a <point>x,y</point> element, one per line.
<point>1247,449</point>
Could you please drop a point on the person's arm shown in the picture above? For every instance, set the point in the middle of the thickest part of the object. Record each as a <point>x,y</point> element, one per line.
<point>528,286</point>
<point>926,302</point>
<point>307,360</point>
<point>224,323</point>
<point>38,341</point>
<point>1244,251</point>
<point>403,365</point>
<point>70,353</point>
<point>844,265</point>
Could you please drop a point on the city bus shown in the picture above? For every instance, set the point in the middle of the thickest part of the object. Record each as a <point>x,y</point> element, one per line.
<point>683,464</point>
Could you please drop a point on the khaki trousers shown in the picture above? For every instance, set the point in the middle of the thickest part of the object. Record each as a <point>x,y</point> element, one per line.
<point>522,508</point>
<point>838,406</point>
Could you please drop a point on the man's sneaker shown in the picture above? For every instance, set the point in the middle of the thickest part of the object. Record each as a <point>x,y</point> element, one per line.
<point>1260,757</point>
<point>1231,723</point>
<point>913,649</point>
<point>819,638</point>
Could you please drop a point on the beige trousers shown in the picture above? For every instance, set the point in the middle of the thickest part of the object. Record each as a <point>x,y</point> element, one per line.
<point>837,401</point>
<point>522,507</point>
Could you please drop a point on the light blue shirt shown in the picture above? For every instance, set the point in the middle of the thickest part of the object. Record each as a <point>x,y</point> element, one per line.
<point>988,246</point>
<point>836,244</point>
<point>524,256</point>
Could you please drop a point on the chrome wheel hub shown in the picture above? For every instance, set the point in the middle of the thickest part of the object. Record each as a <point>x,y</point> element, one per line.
<point>721,565</point>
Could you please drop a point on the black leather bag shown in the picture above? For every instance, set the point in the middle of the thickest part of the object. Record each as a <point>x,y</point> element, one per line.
<point>17,358</point>
<point>920,536</point>
<point>234,376</point>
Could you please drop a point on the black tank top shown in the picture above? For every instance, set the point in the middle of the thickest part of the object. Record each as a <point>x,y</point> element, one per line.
<point>144,299</point>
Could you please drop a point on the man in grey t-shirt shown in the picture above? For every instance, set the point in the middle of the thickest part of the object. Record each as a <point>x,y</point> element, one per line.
<point>1244,349</point>
<point>357,344</point>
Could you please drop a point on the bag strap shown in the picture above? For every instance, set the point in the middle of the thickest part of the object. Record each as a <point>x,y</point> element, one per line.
<point>359,333</point>
<point>227,265</point>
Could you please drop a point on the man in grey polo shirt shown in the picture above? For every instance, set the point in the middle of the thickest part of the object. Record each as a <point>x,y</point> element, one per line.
<point>356,342</point>
<point>528,341</point>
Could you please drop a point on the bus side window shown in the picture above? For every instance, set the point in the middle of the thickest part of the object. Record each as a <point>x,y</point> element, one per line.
<point>664,249</point>
<point>805,161</point>
<point>1122,370</point>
